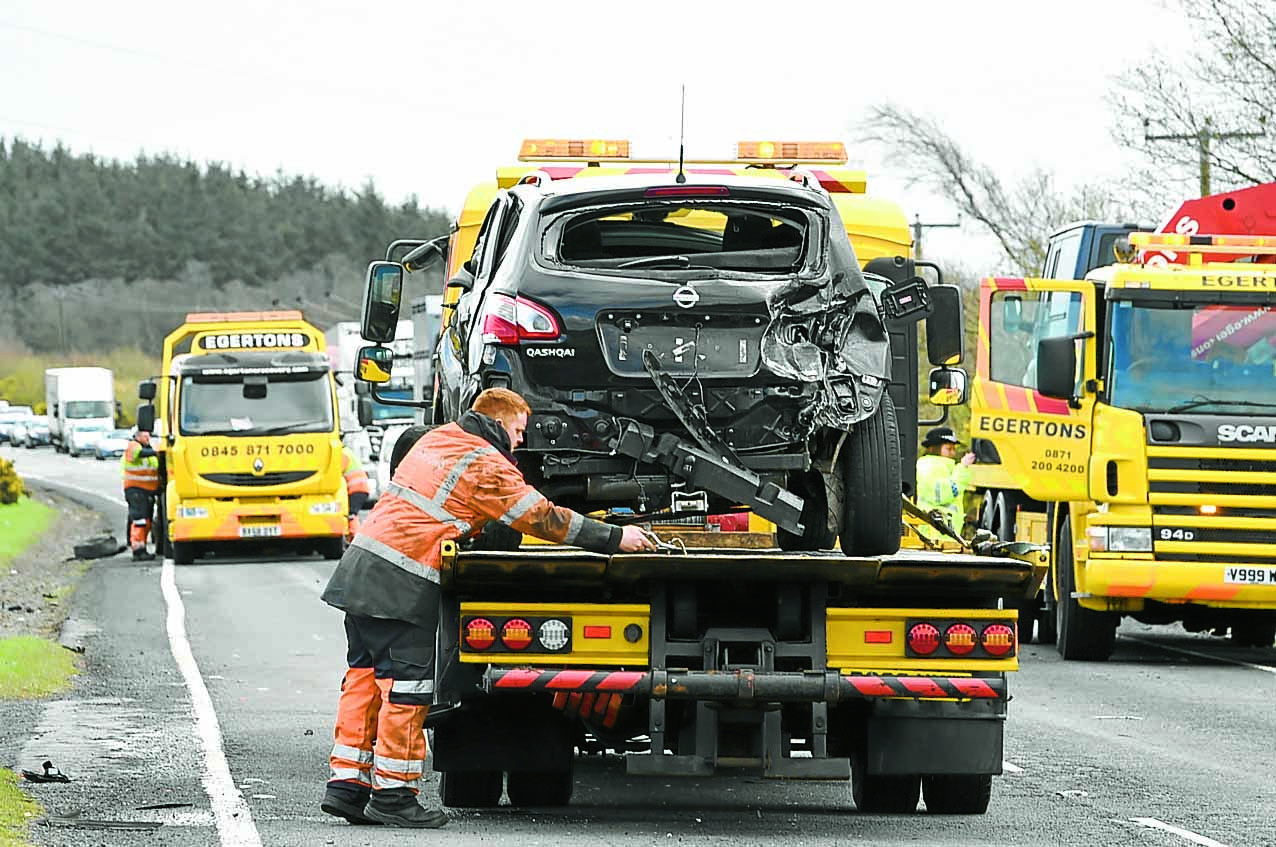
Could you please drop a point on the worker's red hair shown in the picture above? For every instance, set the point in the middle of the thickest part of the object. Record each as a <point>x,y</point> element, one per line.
<point>502,404</point>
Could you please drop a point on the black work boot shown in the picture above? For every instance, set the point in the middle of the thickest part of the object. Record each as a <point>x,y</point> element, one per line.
<point>344,799</point>
<point>140,554</point>
<point>398,807</point>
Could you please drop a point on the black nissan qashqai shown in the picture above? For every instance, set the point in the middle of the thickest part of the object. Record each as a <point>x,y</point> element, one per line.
<point>681,340</point>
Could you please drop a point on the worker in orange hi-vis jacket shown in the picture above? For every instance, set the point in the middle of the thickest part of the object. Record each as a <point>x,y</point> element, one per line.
<point>357,489</point>
<point>455,479</point>
<point>140,467</point>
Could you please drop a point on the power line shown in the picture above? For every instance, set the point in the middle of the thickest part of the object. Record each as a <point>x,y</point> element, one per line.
<point>1203,137</point>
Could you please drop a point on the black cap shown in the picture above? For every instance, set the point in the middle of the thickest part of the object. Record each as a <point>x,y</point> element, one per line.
<point>939,435</point>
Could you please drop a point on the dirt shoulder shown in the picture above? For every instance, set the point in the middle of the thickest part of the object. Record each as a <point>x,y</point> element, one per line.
<point>37,584</point>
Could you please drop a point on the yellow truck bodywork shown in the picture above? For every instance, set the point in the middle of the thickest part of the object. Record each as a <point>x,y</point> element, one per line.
<point>229,487</point>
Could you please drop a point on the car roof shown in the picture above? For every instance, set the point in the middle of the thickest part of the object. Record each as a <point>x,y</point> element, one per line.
<point>584,184</point>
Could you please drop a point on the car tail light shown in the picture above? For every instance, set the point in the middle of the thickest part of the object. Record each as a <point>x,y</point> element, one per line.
<point>688,191</point>
<point>998,639</point>
<point>509,320</point>
<point>516,634</point>
<point>960,639</point>
<point>479,634</point>
<point>923,638</point>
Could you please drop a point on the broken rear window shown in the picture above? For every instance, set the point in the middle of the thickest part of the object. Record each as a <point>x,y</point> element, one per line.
<point>673,236</point>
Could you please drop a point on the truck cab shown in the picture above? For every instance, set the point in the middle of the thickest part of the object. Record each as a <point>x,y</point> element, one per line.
<point>1078,248</point>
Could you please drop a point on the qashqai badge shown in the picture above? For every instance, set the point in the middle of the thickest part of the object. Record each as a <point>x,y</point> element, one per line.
<point>686,296</point>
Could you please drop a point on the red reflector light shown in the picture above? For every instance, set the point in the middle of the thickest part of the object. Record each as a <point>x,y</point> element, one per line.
<point>730,521</point>
<point>923,638</point>
<point>877,636</point>
<point>688,191</point>
<point>597,632</point>
<point>516,634</point>
<point>999,639</point>
<point>479,634</point>
<point>960,639</point>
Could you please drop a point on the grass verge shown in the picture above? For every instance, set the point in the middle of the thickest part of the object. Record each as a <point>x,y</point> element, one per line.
<point>31,668</point>
<point>21,523</point>
<point>17,810</point>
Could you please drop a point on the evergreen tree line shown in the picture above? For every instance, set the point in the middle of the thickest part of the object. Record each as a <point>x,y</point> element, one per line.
<point>97,254</point>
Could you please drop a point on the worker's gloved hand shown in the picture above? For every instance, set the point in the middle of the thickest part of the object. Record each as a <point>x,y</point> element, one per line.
<point>634,539</point>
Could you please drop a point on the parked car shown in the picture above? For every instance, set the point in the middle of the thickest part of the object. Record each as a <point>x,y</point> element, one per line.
<point>84,437</point>
<point>30,433</point>
<point>673,337</point>
<point>112,445</point>
<point>11,416</point>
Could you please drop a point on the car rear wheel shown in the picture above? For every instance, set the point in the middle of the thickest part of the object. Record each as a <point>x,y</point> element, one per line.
<point>873,507</point>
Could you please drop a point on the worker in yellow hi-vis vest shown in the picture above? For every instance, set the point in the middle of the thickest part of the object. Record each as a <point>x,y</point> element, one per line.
<point>140,467</point>
<point>942,480</point>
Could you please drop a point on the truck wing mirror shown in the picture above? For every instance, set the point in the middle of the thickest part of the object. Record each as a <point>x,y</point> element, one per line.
<point>945,327</point>
<point>1057,367</point>
<point>947,386</point>
<point>146,417</point>
<point>382,295</point>
<point>146,389</point>
<point>374,364</point>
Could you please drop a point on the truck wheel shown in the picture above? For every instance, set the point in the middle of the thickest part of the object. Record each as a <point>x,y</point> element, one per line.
<point>1084,634</point>
<point>470,789</point>
<point>957,794</point>
<point>331,548</point>
<point>884,793</point>
<point>1253,634</point>
<point>535,788</point>
<point>183,552</point>
<point>822,511</point>
<point>873,514</point>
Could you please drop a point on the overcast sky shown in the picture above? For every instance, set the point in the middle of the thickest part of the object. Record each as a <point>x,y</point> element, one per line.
<point>427,98</point>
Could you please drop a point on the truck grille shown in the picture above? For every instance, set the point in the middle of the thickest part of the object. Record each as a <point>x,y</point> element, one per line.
<point>275,478</point>
<point>1242,492</point>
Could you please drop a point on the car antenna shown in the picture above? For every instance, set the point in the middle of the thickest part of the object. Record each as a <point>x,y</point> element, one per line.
<point>682,135</point>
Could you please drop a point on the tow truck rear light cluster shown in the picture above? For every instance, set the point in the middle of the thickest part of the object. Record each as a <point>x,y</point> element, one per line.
<point>509,320</point>
<point>960,639</point>
<point>516,634</point>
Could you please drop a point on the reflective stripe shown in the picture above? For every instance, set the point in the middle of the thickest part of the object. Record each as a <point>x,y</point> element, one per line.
<point>574,528</point>
<point>522,507</point>
<point>382,782</point>
<point>408,766</point>
<point>141,522</point>
<point>430,507</point>
<point>413,686</point>
<point>351,754</point>
<point>454,476</point>
<point>394,557</point>
<point>355,774</point>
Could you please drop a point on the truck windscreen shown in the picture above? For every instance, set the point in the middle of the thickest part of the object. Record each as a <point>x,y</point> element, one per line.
<point>381,412</point>
<point>89,409</point>
<point>273,405</point>
<point>1214,358</point>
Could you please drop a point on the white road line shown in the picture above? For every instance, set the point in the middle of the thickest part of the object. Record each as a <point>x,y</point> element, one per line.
<point>1153,823</point>
<point>1210,656</point>
<point>235,827</point>
<point>1009,768</point>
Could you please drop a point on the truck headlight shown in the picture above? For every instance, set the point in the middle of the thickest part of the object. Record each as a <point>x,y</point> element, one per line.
<point>329,508</point>
<point>1120,539</point>
<point>192,512</point>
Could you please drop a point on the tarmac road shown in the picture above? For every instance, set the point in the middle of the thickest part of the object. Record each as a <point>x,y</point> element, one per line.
<point>210,689</point>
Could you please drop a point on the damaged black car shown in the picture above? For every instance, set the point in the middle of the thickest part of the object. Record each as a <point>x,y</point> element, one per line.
<point>712,343</point>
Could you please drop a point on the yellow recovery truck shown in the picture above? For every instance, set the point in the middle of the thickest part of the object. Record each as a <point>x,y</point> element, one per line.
<point>1128,419</point>
<point>246,430</point>
<point>724,652</point>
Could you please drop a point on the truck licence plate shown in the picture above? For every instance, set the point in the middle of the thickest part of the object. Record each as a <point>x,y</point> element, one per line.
<point>1249,576</point>
<point>272,530</point>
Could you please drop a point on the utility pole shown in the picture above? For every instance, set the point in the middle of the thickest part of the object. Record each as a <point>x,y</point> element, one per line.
<point>1203,137</point>
<point>918,226</point>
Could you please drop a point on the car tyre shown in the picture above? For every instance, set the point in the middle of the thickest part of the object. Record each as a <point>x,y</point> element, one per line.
<point>822,511</point>
<point>873,507</point>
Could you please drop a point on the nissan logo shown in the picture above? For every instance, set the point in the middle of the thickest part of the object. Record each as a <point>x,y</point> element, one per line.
<point>686,296</point>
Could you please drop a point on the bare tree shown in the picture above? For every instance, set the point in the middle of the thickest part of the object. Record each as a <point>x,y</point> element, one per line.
<point>1204,114</point>
<point>1020,216</point>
